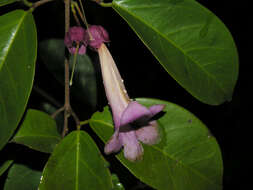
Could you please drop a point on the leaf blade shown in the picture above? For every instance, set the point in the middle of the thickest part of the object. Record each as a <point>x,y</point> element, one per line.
<point>5,165</point>
<point>189,41</point>
<point>6,2</point>
<point>22,177</point>
<point>78,161</point>
<point>187,157</point>
<point>38,131</point>
<point>18,48</point>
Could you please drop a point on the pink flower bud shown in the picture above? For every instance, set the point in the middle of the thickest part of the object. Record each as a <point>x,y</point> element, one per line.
<point>95,36</point>
<point>75,38</point>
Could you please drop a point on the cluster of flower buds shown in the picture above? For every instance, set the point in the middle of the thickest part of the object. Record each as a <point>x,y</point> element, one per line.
<point>79,38</point>
<point>133,122</point>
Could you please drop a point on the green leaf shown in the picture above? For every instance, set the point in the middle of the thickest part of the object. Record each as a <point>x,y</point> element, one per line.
<point>18,49</point>
<point>187,157</point>
<point>38,131</point>
<point>116,183</point>
<point>76,163</point>
<point>189,41</point>
<point>84,86</point>
<point>4,166</point>
<point>22,177</point>
<point>6,2</point>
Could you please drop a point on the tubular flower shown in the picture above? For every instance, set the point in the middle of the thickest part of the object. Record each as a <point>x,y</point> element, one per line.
<point>133,121</point>
<point>75,38</point>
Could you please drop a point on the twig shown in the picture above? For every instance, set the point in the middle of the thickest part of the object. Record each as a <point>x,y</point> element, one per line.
<point>41,2</point>
<point>36,4</point>
<point>76,119</point>
<point>67,15</point>
<point>81,14</point>
<point>57,112</point>
<point>67,107</point>
<point>74,13</point>
<point>105,4</point>
<point>84,122</point>
<point>67,103</point>
<point>100,2</point>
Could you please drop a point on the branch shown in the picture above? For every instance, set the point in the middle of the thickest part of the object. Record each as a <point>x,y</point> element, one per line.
<point>67,107</point>
<point>41,2</point>
<point>36,4</point>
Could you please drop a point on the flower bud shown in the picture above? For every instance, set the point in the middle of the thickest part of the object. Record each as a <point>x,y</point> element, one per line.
<point>74,38</point>
<point>95,36</point>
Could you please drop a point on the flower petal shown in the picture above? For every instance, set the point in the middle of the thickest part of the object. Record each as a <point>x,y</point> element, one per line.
<point>155,109</point>
<point>148,134</point>
<point>76,33</point>
<point>114,144</point>
<point>75,36</point>
<point>82,50</point>
<point>72,50</point>
<point>96,35</point>
<point>133,150</point>
<point>133,112</point>
<point>114,87</point>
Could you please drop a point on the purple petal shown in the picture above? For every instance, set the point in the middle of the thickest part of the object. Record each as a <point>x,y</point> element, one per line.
<point>76,33</point>
<point>148,134</point>
<point>155,109</point>
<point>133,150</point>
<point>98,36</point>
<point>82,50</point>
<point>114,144</point>
<point>133,112</point>
<point>72,50</point>
<point>75,36</point>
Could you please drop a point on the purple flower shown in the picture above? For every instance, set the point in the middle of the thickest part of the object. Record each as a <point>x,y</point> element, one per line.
<point>133,121</point>
<point>75,38</point>
<point>96,35</point>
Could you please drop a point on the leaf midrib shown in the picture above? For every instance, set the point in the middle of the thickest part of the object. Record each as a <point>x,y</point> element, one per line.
<point>172,43</point>
<point>83,162</point>
<point>13,36</point>
<point>10,42</point>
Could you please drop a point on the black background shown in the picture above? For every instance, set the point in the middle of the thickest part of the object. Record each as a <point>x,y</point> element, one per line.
<point>145,77</point>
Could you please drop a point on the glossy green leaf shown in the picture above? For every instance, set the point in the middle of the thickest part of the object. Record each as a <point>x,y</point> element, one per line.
<point>4,166</point>
<point>51,109</point>
<point>38,131</point>
<point>18,49</point>
<point>187,157</point>
<point>116,183</point>
<point>6,2</point>
<point>76,163</point>
<point>84,86</point>
<point>189,41</point>
<point>21,177</point>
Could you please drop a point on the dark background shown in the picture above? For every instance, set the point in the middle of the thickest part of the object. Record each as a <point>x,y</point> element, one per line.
<point>145,77</point>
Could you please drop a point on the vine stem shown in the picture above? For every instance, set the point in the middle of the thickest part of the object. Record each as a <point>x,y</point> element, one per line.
<point>66,63</point>
<point>105,4</point>
<point>67,107</point>
<point>41,2</point>
<point>36,4</point>
<point>101,3</point>
<point>84,122</point>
